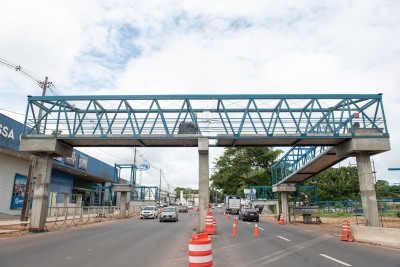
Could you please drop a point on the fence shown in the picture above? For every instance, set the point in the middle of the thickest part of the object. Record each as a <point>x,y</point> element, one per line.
<point>72,216</point>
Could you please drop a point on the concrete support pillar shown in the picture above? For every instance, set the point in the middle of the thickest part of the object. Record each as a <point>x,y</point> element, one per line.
<point>367,189</point>
<point>78,201</point>
<point>122,205</point>
<point>284,189</point>
<point>204,193</point>
<point>41,193</point>
<point>285,206</point>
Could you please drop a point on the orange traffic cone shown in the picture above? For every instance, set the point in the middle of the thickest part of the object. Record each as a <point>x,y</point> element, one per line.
<point>346,234</point>
<point>190,213</point>
<point>237,221</point>
<point>281,219</point>
<point>256,230</point>
<point>229,217</point>
<point>234,233</point>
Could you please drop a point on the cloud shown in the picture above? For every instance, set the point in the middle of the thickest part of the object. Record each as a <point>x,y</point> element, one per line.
<point>205,47</point>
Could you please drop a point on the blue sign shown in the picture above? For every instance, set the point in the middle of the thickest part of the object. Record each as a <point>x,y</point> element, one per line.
<point>17,198</point>
<point>142,166</point>
<point>10,132</point>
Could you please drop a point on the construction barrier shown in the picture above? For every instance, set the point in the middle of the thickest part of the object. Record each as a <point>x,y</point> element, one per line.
<point>200,251</point>
<point>346,234</point>
<point>256,230</point>
<point>281,219</point>
<point>209,224</point>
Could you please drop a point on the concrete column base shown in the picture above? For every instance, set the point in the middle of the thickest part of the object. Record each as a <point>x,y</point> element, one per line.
<point>41,196</point>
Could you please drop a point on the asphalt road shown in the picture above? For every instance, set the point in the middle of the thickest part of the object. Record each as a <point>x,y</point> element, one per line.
<point>134,242</point>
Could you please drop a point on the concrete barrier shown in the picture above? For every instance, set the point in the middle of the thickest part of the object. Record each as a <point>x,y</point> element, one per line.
<point>388,237</point>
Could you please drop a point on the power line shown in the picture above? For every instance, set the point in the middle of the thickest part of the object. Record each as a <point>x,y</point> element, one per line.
<point>12,111</point>
<point>30,75</point>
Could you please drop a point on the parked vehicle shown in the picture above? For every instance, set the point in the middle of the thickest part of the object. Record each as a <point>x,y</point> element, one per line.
<point>249,215</point>
<point>219,206</point>
<point>169,214</point>
<point>183,209</point>
<point>149,212</point>
<point>232,204</point>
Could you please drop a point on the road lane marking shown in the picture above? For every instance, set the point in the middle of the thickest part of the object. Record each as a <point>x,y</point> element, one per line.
<point>247,222</point>
<point>275,256</point>
<point>261,228</point>
<point>283,238</point>
<point>338,261</point>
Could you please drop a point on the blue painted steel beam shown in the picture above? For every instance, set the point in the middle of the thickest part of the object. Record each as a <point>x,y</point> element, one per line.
<point>330,116</point>
<point>293,159</point>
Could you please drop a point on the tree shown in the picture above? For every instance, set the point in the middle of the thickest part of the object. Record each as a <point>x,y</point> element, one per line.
<point>240,168</point>
<point>338,184</point>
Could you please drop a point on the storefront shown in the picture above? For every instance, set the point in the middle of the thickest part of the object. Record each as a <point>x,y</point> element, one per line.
<point>73,176</point>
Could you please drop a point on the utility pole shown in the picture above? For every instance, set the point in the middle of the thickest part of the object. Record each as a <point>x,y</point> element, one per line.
<point>26,205</point>
<point>159,191</point>
<point>134,168</point>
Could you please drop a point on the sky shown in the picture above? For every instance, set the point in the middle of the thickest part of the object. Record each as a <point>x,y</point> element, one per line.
<point>202,47</point>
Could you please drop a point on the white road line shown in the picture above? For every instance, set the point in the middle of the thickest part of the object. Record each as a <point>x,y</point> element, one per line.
<point>261,228</point>
<point>341,262</point>
<point>283,238</point>
<point>247,222</point>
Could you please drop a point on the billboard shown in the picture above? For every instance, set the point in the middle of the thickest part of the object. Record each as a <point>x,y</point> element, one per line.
<point>71,160</point>
<point>83,162</point>
<point>17,198</point>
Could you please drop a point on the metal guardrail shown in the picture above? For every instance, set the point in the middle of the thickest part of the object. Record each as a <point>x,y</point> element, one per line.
<point>60,217</point>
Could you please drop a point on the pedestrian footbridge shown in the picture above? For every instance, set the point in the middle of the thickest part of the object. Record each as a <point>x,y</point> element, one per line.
<point>321,129</point>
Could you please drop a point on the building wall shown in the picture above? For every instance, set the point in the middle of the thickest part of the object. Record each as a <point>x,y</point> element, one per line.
<point>9,166</point>
<point>61,182</point>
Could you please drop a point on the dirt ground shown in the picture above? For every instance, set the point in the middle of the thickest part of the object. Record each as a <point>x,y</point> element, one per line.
<point>20,231</point>
<point>333,225</point>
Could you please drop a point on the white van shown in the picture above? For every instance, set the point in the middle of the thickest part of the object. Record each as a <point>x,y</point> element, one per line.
<point>149,212</point>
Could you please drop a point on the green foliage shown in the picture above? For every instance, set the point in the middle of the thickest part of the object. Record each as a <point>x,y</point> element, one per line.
<point>338,184</point>
<point>240,168</point>
<point>187,192</point>
<point>384,190</point>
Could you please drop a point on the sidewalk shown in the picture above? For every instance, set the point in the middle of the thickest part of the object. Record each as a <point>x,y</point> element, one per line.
<point>9,220</point>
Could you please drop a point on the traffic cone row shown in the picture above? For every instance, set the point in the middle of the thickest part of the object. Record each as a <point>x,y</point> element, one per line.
<point>346,234</point>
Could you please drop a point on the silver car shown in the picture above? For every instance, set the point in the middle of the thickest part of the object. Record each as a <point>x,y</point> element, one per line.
<point>169,214</point>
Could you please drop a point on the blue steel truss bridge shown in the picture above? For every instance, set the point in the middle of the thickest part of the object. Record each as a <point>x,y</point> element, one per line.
<point>313,125</point>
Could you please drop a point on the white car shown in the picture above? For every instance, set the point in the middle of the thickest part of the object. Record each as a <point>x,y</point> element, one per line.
<point>149,212</point>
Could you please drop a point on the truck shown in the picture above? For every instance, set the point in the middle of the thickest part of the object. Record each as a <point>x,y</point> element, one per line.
<point>232,204</point>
